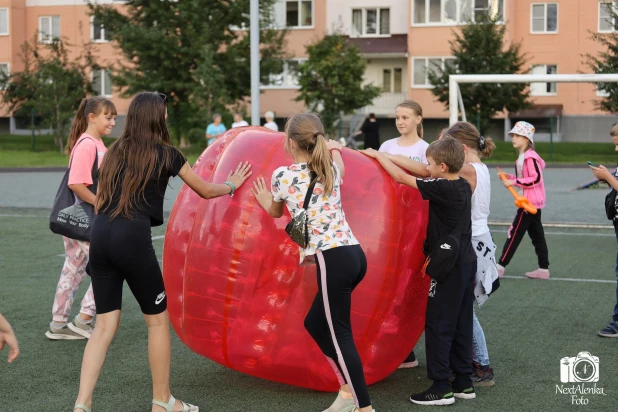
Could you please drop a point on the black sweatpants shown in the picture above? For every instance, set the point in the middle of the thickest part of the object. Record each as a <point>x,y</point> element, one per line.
<point>526,222</point>
<point>340,270</point>
<point>448,327</point>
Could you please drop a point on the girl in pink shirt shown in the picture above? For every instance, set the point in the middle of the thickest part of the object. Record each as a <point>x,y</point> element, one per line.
<point>94,118</point>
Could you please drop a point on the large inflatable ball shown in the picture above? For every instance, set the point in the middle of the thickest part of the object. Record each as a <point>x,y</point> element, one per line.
<point>236,292</point>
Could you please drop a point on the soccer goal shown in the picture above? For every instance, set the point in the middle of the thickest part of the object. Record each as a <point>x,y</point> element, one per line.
<point>456,102</point>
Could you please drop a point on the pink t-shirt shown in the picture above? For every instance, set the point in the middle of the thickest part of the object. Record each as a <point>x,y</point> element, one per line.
<point>82,158</point>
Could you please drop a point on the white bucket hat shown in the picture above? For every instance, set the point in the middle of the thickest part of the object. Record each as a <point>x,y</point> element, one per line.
<point>524,129</point>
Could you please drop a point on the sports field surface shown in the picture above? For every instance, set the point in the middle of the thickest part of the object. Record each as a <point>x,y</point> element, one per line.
<point>530,326</point>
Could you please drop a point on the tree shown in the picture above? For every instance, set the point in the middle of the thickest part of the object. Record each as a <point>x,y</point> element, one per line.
<point>51,84</point>
<point>481,49</point>
<point>192,51</point>
<point>606,63</point>
<point>331,80</point>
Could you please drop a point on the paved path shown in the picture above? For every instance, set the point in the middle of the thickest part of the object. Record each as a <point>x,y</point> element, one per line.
<point>585,206</point>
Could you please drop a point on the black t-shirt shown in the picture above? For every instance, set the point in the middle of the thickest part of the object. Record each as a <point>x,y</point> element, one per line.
<point>371,132</point>
<point>447,199</point>
<point>154,191</point>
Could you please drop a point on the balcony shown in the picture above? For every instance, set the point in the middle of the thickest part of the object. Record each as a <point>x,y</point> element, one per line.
<point>384,104</point>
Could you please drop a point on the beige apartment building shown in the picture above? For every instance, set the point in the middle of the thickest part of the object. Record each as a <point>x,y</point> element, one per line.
<point>400,40</point>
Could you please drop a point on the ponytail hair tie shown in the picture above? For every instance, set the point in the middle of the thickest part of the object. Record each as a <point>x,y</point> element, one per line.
<point>482,143</point>
<point>316,134</point>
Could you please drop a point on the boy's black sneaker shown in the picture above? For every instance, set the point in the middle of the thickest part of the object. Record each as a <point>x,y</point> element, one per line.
<point>433,397</point>
<point>482,376</point>
<point>467,393</point>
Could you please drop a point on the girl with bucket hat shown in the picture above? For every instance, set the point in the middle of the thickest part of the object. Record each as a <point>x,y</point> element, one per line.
<point>529,177</point>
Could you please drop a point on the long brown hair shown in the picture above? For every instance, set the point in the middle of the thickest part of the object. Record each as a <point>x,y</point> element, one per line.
<point>94,105</point>
<point>414,106</point>
<point>133,159</point>
<point>307,131</point>
<point>469,135</point>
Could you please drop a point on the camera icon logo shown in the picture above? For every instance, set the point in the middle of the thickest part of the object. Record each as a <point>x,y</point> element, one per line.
<point>582,368</point>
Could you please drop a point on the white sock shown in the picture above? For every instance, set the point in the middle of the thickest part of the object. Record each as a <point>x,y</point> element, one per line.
<point>544,270</point>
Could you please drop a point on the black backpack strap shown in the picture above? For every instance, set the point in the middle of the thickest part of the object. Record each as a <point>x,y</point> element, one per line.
<point>95,165</point>
<point>314,180</point>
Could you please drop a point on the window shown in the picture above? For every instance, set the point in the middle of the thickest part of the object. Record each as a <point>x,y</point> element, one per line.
<point>544,18</point>
<point>49,28</point>
<point>102,83</point>
<point>371,22</point>
<point>98,32</point>
<point>607,21</point>
<point>392,80</point>
<point>543,89</point>
<point>287,78</point>
<point>4,22</point>
<point>299,13</point>
<point>444,12</point>
<point>4,70</point>
<point>422,65</point>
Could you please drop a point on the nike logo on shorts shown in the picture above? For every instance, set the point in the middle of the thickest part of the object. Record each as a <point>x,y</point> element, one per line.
<point>160,298</point>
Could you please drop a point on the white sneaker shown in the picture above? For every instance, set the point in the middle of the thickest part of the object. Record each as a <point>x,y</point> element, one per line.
<point>63,333</point>
<point>81,328</point>
<point>342,404</point>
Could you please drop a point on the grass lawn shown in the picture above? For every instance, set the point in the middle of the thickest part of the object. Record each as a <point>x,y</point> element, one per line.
<point>16,151</point>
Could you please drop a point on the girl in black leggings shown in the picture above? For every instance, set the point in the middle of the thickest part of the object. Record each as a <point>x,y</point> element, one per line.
<point>132,183</point>
<point>341,261</point>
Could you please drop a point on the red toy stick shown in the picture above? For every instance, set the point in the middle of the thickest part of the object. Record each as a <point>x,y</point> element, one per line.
<point>520,201</point>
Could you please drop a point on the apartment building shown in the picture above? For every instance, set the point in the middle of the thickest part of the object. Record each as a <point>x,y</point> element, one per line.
<point>400,39</point>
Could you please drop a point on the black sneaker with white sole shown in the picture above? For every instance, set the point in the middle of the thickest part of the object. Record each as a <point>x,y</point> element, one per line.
<point>467,393</point>
<point>433,397</point>
<point>610,331</point>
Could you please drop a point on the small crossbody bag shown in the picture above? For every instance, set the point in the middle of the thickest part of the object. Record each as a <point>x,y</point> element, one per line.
<point>298,228</point>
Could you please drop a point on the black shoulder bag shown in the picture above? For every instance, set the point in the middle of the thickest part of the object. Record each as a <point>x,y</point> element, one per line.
<point>445,252</point>
<point>298,229</point>
<point>71,216</point>
<point>611,208</point>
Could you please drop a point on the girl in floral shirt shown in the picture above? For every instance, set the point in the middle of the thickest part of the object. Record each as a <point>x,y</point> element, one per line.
<point>340,259</point>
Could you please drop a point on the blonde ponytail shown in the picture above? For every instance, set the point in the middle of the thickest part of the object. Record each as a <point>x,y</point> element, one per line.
<point>307,131</point>
<point>322,164</point>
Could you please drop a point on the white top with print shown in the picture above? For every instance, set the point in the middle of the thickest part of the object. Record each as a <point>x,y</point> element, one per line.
<point>327,225</point>
<point>415,152</point>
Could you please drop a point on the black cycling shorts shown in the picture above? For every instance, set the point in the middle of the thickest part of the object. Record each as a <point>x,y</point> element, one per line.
<point>121,249</point>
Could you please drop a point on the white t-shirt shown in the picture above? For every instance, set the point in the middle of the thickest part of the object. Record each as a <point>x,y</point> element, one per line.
<point>480,200</point>
<point>240,124</point>
<point>327,225</point>
<point>415,152</point>
<point>272,126</point>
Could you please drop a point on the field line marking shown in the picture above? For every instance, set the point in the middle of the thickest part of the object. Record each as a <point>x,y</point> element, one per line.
<point>566,279</point>
<point>567,233</point>
<point>562,225</point>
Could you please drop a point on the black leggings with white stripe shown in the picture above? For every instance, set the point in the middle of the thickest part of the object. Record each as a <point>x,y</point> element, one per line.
<point>340,270</point>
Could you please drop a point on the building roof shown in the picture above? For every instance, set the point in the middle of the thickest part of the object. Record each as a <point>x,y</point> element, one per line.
<point>395,44</point>
<point>538,111</point>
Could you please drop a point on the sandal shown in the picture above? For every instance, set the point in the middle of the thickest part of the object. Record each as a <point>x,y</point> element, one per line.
<point>83,407</point>
<point>169,407</point>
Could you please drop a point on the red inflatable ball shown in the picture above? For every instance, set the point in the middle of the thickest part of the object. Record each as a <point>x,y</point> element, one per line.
<point>237,295</point>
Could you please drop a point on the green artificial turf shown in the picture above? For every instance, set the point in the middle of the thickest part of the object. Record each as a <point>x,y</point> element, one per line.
<point>529,324</point>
